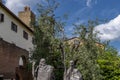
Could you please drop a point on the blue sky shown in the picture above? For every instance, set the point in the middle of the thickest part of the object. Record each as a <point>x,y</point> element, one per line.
<point>84,10</point>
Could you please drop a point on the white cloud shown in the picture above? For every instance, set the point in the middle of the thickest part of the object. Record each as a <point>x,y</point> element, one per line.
<point>88,3</point>
<point>18,5</point>
<point>110,30</point>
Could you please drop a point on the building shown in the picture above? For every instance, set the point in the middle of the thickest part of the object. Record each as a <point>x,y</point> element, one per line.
<point>16,36</point>
<point>27,16</point>
<point>72,42</point>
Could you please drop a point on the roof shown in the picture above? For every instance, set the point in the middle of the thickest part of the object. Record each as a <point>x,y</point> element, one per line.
<point>97,43</point>
<point>13,15</point>
<point>72,38</point>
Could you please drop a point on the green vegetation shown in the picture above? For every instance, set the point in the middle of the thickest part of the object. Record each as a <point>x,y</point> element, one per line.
<point>85,54</point>
<point>45,42</point>
<point>94,62</point>
<point>109,62</point>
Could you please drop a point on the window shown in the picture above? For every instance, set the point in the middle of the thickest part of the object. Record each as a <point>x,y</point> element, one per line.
<point>13,27</point>
<point>1,17</point>
<point>25,35</point>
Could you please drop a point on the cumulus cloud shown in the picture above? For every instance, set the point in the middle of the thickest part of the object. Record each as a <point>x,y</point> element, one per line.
<point>17,5</point>
<point>110,30</point>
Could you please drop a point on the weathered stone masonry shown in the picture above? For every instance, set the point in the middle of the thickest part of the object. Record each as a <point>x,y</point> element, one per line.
<point>9,58</point>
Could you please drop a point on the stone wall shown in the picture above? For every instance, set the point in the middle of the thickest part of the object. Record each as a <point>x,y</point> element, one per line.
<point>27,16</point>
<point>9,58</point>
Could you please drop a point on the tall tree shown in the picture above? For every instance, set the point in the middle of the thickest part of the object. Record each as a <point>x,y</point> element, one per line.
<point>85,52</point>
<point>46,42</point>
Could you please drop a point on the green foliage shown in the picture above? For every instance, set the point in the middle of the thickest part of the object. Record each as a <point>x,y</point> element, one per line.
<point>109,62</point>
<point>44,32</point>
<point>85,54</point>
<point>93,62</point>
<point>46,43</point>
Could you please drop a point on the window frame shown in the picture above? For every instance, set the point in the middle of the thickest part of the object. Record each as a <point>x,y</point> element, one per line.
<point>14,27</point>
<point>25,35</point>
<point>1,17</point>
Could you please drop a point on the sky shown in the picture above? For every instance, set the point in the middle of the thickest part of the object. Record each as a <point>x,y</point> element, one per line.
<point>80,11</point>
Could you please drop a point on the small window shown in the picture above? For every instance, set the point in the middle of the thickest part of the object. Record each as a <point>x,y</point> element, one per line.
<point>1,17</point>
<point>13,27</point>
<point>25,35</point>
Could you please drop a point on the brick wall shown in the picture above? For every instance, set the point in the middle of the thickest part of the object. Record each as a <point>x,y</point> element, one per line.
<point>9,58</point>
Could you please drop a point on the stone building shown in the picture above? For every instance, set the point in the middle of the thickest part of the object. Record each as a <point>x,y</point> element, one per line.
<point>16,37</point>
<point>76,41</point>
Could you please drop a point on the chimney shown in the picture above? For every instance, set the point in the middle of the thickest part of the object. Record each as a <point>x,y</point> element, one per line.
<point>27,16</point>
<point>26,8</point>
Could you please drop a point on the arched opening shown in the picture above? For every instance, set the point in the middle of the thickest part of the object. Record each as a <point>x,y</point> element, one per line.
<point>22,61</point>
<point>21,70</point>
